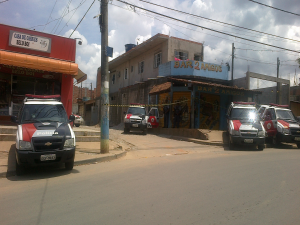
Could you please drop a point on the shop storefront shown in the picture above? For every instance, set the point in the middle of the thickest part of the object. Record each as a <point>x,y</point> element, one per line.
<point>202,104</point>
<point>34,63</point>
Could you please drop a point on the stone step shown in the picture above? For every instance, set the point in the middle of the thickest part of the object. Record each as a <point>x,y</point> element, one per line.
<point>88,138</point>
<point>7,137</point>
<point>8,130</point>
<point>87,133</point>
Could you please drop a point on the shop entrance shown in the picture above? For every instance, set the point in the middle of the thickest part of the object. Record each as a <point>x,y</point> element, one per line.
<point>209,111</point>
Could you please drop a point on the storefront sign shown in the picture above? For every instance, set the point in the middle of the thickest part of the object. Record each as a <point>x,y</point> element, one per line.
<point>28,72</point>
<point>220,91</point>
<point>22,40</point>
<point>194,68</point>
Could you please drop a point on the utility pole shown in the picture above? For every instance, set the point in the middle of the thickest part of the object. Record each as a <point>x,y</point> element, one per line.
<point>91,91</point>
<point>232,63</point>
<point>278,89</point>
<point>104,78</point>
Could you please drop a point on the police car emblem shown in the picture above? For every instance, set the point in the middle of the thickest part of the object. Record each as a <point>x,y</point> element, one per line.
<point>269,125</point>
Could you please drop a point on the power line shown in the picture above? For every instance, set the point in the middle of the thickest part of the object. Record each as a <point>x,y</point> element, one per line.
<point>69,19</point>
<point>50,15</point>
<point>65,11</point>
<point>218,21</point>
<point>275,8</point>
<point>82,18</point>
<point>4,1</point>
<point>209,28</point>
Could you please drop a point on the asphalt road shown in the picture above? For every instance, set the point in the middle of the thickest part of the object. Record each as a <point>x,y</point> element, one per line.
<point>172,183</point>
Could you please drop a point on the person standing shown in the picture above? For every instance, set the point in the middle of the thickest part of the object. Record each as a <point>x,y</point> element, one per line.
<point>166,110</point>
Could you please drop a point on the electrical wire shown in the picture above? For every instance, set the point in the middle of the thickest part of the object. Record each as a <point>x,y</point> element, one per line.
<point>65,11</point>
<point>274,8</point>
<point>210,28</point>
<point>69,19</point>
<point>82,18</point>
<point>4,1</point>
<point>59,17</point>
<point>218,21</point>
<point>50,15</point>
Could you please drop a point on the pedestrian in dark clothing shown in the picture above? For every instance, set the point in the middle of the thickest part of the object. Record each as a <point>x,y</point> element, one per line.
<point>177,115</point>
<point>166,110</point>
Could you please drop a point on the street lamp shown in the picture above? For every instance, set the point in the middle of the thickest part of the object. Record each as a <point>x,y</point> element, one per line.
<point>80,41</point>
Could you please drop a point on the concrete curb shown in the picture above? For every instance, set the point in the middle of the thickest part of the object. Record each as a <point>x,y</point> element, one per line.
<point>77,163</point>
<point>197,141</point>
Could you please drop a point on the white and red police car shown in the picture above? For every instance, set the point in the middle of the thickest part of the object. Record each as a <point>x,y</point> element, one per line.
<point>280,124</point>
<point>44,135</point>
<point>244,125</point>
<point>136,118</point>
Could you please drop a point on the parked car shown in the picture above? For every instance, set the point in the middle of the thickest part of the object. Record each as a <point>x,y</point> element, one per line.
<point>78,120</point>
<point>244,125</point>
<point>44,135</point>
<point>280,124</point>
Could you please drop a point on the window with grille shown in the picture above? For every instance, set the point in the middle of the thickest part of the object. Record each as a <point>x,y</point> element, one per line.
<point>126,74</point>
<point>197,57</point>
<point>141,67</point>
<point>181,55</point>
<point>157,60</point>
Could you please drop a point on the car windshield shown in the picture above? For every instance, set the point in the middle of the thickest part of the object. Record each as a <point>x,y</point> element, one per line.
<point>136,111</point>
<point>33,113</point>
<point>284,114</point>
<point>244,114</point>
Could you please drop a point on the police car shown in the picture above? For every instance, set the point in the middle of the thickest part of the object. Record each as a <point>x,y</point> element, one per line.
<point>136,118</point>
<point>44,135</point>
<point>244,125</point>
<point>280,124</point>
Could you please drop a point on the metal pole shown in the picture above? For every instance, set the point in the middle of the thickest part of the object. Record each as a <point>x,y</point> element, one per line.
<point>232,63</point>
<point>278,89</point>
<point>104,78</point>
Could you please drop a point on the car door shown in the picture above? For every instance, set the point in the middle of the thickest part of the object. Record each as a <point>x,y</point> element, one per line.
<point>270,123</point>
<point>153,117</point>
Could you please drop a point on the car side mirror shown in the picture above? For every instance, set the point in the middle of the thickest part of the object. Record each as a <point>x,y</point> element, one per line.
<point>71,118</point>
<point>14,119</point>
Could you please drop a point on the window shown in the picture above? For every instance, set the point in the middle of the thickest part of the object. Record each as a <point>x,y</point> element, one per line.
<point>131,69</point>
<point>181,55</point>
<point>113,79</point>
<point>157,60</point>
<point>141,67</point>
<point>197,57</point>
<point>126,74</point>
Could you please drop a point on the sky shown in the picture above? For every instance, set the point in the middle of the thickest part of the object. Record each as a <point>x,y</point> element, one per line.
<point>129,25</point>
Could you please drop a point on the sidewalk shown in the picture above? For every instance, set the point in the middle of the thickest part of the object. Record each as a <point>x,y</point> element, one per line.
<point>86,152</point>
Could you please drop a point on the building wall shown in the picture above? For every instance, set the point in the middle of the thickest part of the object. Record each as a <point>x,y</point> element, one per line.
<point>269,95</point>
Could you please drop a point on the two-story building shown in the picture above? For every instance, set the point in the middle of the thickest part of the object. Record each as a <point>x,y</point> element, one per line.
<point>169,69</point>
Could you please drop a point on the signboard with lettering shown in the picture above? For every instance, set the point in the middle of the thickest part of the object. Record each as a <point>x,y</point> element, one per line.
<point>220,91</point>
<point>194,68</point>
<point>22,40</point>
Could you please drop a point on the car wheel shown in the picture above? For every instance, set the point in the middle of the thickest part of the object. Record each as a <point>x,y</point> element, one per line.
<point>77,125</point>
<point>298,145</point>
<point>261,147</point>
<point>20,170</point>
<point>69,165</point>
<point>231,145</point>
<point>275,141</point>
<point>126,130</point>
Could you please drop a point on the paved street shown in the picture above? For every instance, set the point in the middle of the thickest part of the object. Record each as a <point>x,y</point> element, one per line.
<point>161,181</point>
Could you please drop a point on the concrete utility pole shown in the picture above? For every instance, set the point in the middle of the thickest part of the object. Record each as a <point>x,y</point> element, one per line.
<point>104,78</point>
<point>278,89</point>
<point>232,63</point>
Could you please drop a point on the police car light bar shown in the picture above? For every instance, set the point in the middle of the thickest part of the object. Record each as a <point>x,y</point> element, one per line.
<point>30,96</point>
<point>281,106</point>
<point>244,103</point>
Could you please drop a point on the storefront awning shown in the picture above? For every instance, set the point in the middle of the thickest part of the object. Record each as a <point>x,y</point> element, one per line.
<point>38,63</point>
<point>81,76</point>
<point>161,88</point>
